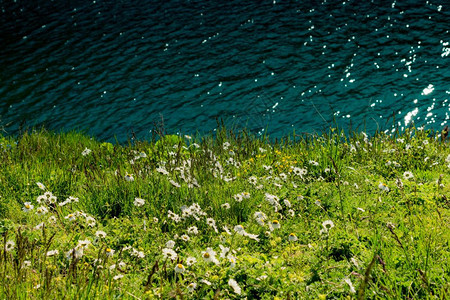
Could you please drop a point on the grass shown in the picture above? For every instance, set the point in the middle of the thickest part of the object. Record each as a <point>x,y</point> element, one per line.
<point>227,216</point>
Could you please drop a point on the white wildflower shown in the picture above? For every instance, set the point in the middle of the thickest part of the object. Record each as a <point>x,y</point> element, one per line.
<point>191,260</point>
<point>100,234</point>
<point>224,251</point>
<point>191,286</point>
<point>292,237</point>
<point>210,256</point>
<point>179,268</point>
<point>86,151</point>
<point>129,177</point>
<point>238,197</point>
<point>234,285</point>
<point>205,281</point>
<point>408,175</point>
<point>170,244</point>
<point>162,170</point>
<point>383,187</point>
<point>313,163</point>
<point>118,276</point>
<point>76,252</point>
<point>192,230</point>
<point>299,171</point>
<point>185,238</point>
<point>349,282</point>
<point>245,195</point>
<point>39,226</point>
<point>9,246</point>
<point>287,203</point>
<point>211,222</point>
<point>27,206</point>
<point>83,243</point>
<point>41,186</point>
<point>52,219</point>
<point>26,263</point>
<point>239,229</point>
<point>70,217</point>
<point>52,252</point>
<point>231,260</point>
<point>174,183</point>
<point>274,224</point>
<point>90,221</point>
<point>227,231</point>
<point>253,180</point>
<point>138,202</point>
<point>327,225</point>
<point>169,253</point>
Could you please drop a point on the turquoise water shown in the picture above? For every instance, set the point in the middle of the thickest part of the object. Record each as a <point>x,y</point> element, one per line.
<point>113,68</point>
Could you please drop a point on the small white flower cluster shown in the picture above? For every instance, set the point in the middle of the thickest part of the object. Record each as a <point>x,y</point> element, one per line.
<point>194,211</point>
<point>211,222</point>
<point>68,201</point>
<point>210,256</point>
<point>46,198</point>
<point>162,170</point>
<point>42,210</point>
<point>90,221</point>
<point>299,172</point>
<point>133,252</point>
<point>260,217</point>
<point>138,202</point>
<point>274,201</point>
<point>86,152</point>
<point>186,175</point>
<point>169,253</point>
<point>239,229</point>
<point>137,156</point>
<point>234,285</point>
<point>173,216</point>
<point>78,251</point>
<point>241,196</point>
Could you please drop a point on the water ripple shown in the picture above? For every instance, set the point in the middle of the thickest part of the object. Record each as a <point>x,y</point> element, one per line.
<point>112,67</point>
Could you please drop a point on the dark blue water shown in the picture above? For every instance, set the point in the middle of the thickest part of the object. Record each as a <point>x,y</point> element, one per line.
<point>116,67</point>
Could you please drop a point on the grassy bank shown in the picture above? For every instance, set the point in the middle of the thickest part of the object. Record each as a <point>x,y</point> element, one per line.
<point>229,216</point>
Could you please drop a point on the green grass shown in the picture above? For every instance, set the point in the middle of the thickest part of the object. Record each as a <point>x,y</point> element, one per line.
<point>387,199</point>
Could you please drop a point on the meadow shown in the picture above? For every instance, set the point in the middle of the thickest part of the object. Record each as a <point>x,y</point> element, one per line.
<point>225,216</point>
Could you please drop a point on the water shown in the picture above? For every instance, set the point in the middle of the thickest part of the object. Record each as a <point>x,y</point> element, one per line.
<point>112,68</point>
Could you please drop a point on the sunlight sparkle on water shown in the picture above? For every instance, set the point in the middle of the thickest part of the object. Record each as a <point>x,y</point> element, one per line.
<point>410,115</point>
<point>428,90</point>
